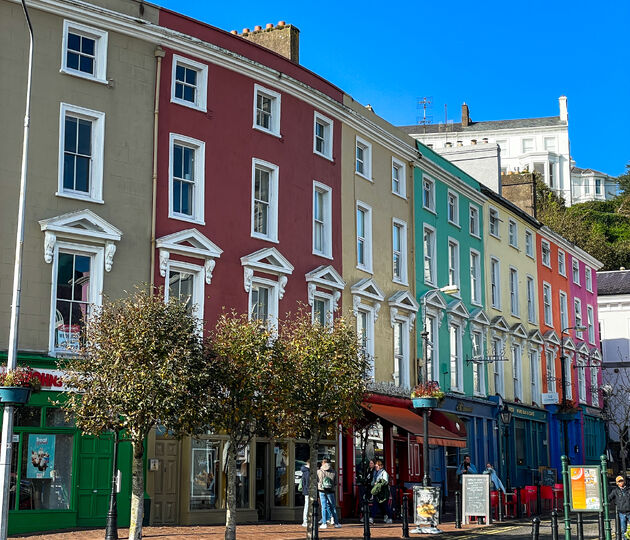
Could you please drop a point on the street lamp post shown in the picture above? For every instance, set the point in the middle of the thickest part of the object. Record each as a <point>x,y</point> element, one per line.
<point>506,418</point>
<point>448,289</point>
<point>579,328</point>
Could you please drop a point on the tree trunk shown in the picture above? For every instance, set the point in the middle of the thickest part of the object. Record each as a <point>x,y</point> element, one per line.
<point>313,444</point>
<point>230,509</point>
<point>137,492</point>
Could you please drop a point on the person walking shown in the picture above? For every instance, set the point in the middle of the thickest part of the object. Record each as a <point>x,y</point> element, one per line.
<point>306,478</point>
<point>620,495</point>
<point>495,481</point>
<point>465,467</point>
<point>326,482</point>
<point>380,492</point>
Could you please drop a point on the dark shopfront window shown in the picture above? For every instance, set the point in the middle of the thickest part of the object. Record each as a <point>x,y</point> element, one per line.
<point>41,463</point>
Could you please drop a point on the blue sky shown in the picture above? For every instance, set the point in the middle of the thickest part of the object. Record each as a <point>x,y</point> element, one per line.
<point>505,59</point>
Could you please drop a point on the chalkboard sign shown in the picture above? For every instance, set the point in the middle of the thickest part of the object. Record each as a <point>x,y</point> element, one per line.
<point>548,475</point>
<point>476,496</point>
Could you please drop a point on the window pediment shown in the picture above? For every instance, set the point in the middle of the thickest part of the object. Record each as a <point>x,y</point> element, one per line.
<point>434,299</point>
<point>536,337</point>
<point>269,261</point>
<point>405,302</point>
<point>479,316</point>
<point>456,308</point>
<point>326,277</point>
<point>499,323</point>
<point>368,288</point>
<point>569,344</point>
<point>518,331</point>
<point>552,338</point>
<point>583,349</point>
<point>596,355</point>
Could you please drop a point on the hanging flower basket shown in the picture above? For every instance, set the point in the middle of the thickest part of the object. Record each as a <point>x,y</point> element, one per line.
<point>14,395</point>
<point>424,402</point>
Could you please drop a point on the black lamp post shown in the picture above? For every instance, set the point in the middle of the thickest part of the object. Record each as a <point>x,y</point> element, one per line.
<point>579,328</point>
<point>506,418</point>
<point>111,528</point>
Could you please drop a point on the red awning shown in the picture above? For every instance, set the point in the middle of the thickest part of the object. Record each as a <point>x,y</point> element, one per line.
<point>450,421</point>
<point>411,422</point>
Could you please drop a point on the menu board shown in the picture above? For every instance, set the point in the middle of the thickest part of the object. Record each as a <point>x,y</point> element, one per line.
<point>426,501</point>
<point>585,488</point>
<point>475,496</point>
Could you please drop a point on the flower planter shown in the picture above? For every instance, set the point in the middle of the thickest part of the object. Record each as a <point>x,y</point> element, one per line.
<point>14,395</point>
<point>424,402</point>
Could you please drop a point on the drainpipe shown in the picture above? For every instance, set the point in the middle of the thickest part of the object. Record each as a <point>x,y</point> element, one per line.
<point>159,54</point>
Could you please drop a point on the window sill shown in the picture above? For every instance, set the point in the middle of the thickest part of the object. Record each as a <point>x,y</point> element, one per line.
<point>323,255</point>
<point>400,195</point>
<point>431,210</point>
<point>363,176</point>
<point>78,197</point>
<point>267,131</point>
<point>454,224</point>
<point>494,235</point>
<point>329,158</point>
<point>179,217</point>
<point>514,247</point>
<point>265,238</point>
<point>82,75</point>
<point>400,282</point>
<point>530,256</point>
<point>365,269</point>
<point>189,105</point>
<point>477,236</point>
<point>547,265</point>
<point>476,303</point>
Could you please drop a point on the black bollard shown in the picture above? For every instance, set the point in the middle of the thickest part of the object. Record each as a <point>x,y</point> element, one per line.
<point>535,528</point>
<point>315,524</point>
<point>458,517</point>
<point>580,526</point>
<point>366,519</point>
<point>405,517</point>
<point>499,497</point>
<point>519,510</point>
<point>538,499</point>
<point>600,524</point>
<point>554,525</point>
<point>617,524</point>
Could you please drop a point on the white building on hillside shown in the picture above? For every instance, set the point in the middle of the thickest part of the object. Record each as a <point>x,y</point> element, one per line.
<point>592,185</point>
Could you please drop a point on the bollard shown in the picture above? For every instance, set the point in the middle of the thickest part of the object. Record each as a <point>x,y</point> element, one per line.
<point>600,524</point>
<point>535,528</point>
<point>617,524</point>
<point>458,517</point>
<point>366,518</point>
<point>499,495</point>
<point>580,526</point>
<point>405,517</point>
<point>315,524</point>
<point>519,510</point>
<point>554,525</point>
<point>538,499</point>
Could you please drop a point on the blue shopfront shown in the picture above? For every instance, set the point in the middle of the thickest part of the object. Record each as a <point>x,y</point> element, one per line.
<point>565,436</point>
<point>474,418</point>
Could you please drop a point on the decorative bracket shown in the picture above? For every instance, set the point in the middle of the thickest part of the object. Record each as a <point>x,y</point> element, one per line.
<point>209,268</point>
<point>50,239</point>
<point>164,257</point>
<point>110,249</point>
<point>248,274</point>
<point>282,283</point>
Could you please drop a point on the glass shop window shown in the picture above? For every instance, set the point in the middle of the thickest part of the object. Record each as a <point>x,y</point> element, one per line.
<point>204,475</point>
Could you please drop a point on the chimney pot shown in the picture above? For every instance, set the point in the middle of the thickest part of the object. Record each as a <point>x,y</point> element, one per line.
<point>449,145</point>
<point>473,141</point>
<point>281,23</point>
<point>257,28</point>
<point>485,140</point>
<point>564,113</point>
<point>269,26</point>
<point>245,30</point>
<point>459,143</point>
<point>234,32</point>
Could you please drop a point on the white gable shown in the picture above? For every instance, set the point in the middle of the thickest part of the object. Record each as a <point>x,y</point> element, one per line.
<point>403,300</point>
<point>326,276</point>
<point>368,288</point>
<point>458,309</point>
<point>498,323</point>
<point>536,337</point>
<point>268,260</point>
<point>479,316</point>
<point>551,337</point>
<point>518,330</point>
<point>434,299</point>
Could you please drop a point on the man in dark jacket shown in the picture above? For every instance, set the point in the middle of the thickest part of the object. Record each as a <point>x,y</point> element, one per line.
<point>620,495</point>
<point>306,478</point>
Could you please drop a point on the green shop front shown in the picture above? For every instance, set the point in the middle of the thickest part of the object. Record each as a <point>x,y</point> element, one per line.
<point>60,478</point>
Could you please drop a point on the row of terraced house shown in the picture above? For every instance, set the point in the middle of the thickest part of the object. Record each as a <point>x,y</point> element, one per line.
<point>212,164</point>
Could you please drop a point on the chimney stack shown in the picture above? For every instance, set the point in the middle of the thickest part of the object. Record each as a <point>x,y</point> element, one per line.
<point>465,115</point>
<point>564,113</point>
<point>283,39</point>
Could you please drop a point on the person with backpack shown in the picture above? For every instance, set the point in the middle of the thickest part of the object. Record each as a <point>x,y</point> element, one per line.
<point>620,495</point>
<point>326,481</point>
<point>303,486</point>
<point>380,492</point>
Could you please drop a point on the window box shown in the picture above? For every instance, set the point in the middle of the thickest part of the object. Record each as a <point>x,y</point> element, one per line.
<point>425,402</point>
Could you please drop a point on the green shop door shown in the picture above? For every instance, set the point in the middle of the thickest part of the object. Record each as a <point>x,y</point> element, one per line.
<point>94,480</point>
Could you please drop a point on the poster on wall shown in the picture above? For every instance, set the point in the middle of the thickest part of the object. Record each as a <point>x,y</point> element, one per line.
<point>585,489</point>
<point>426,503</point>
<point>41,456</point>
<point>203,474</point>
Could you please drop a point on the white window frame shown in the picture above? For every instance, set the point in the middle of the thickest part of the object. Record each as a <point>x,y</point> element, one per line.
<point>545,247</point>
<point>588,278</point>
<point>590,323</point>
<point>473,220</point>
<point>475,277</point>
<point>531,299</point>
<point>430,183</point>
<point>524,143</point>
<point>479,380</point>
<point>513,233</point>
<point>369,344</point>
<point>367,158</point>
<point>451,195</point>
<point>432,326</point>
<point>367,239</point>
<point>575,271</point>
<point>98,150</point>
<point>199,185</point>
<point>498,371</point>
<point>100,51</point>
<point>401,373</point>
<point>564,309</point>
<point>201,88</point>
<point>548,315</point>
<point>456,360</point>
<point>550,370</point>
<point>549,147</point>
<point>272,226</point>
<point>581,376</point>
<point>402,225</point>
<point>198,284</point>
<point>402,178</point>
<point>276,110</point>
<point>594,387</point>
<point>514,293</point>
<point>579,316</point>
<point>529,243</point>
<point>432,260</point>
<point>96,254</point>
<point>534,369</point>
<point>517,371</point>
<point>562,263</point>
<point>328,135</point>
<point>274,299</point>
<point>326,192</point>
<point>328,305</point>
<point>453,265</point>
<point>495,283</point>
<point>493,216</point>
<point>568,375</point>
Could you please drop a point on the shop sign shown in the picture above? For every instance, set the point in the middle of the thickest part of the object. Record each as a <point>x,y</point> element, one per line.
<point>527,413</point>
<point>51,379</point>
<point>41,456</point>
<point>460,407</point>
<point>550,398</point>
<point>585,487</point>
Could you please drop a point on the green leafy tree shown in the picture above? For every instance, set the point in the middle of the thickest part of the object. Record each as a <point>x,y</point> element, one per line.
<point>624,181</point>
<point>140,364</point>
<point>321,383</point>
<point>240,358</point>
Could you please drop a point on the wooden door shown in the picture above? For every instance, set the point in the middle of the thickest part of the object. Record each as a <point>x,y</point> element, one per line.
<point>165,507</point>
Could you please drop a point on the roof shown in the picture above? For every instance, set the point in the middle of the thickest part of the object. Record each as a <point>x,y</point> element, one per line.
<point>578,170</point>
<point>490,125</point>
<point>613,282</point>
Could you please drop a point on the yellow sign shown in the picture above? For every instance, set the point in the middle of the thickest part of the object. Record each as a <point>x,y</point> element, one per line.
<point>585,489</point>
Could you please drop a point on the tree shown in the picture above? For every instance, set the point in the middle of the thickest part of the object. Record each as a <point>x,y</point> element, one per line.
<point>321,383</point>
<point>616,411</point>
<point>241,358</point>
<point>140,363</point>
<point>624,181</point>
